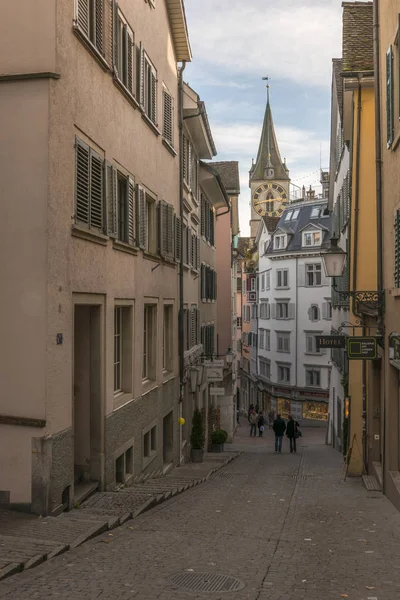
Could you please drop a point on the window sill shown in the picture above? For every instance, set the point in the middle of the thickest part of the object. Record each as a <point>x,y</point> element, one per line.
<point>91,48</point>
<point>168,376</point>
<point>150,123</point>
<point>124,247</point>
<point>150,256</point>
<point>149,459</point>
<point>125,92</point>
<point>121,399</point>
<point>283,287</point>
<point>169,147</point>
<point>148,386</point>
<point>90,235</point>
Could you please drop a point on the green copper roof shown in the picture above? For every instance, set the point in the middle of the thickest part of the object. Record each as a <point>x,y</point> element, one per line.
<point>268,151</point>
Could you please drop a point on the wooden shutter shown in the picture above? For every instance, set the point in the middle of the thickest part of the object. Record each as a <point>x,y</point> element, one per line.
<point>215,284</point>
<point>389,95</point>
<point>193,259</point>
<point>162,228</point>
<point>141,83</point>
<point>167,117</point>
<point>141,217</point>
<point>198,253</point>
<point>96,191</point>
<point>82,182</point>
<point>309,343</point>
<point>324,310</point>
<point>131,212</point>
<point>291,310</point>
<point>301,276</point>
<point>203,282</point>
<point>153,86</point>
<point>99,5</point>
<point>184,160</point>
<point>115,37</point>
<point>397,250</point>
<point>170,231</point>
<point>178,238</point>
<point>203,216</point>
<point>112,218</point>
<point>192,327</point>
<point>273,311</point>
<point>212,240</point>
<point>82,17</point>
<point>129,55</point>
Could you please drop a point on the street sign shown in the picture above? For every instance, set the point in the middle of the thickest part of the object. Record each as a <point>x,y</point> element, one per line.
<point>330,341</point>
<point>217,391</point>
<point>362,348</point>
<point>214,363</point>
<point>214,374</point>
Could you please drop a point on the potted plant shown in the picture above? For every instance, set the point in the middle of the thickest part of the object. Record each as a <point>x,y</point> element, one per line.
<point>218,438</point>
<point>197,438</point>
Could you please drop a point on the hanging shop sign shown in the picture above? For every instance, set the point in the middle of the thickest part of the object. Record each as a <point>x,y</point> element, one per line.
<point>362,348</point>
<point>217,391</point>
<point>330,341</point>
<point>214,374</point>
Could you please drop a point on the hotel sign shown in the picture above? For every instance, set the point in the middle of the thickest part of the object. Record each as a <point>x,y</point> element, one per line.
<point>330,341</point>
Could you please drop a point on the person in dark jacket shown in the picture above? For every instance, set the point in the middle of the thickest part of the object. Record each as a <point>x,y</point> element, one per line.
<point>261,423</point>
<point>279,427</point>
<point>292,433</point>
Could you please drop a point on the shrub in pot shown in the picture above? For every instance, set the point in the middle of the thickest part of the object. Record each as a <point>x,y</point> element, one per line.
<point>197,437</point>
<point>218,438</point>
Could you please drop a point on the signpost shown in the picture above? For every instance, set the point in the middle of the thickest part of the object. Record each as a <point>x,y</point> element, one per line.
<point>214,374</point>
<point>330,341</point>
<point>217,391</point>
<point>362,348</point>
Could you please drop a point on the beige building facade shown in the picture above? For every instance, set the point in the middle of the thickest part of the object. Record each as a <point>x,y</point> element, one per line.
<point>89,304</point>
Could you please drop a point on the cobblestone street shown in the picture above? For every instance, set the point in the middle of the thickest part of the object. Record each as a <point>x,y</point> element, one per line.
<point>285,525</point>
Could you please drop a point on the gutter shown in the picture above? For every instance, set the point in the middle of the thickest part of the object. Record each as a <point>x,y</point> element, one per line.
<point>181,210</point>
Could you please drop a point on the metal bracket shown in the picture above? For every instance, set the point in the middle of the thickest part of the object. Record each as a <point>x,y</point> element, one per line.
<point>372,301</point>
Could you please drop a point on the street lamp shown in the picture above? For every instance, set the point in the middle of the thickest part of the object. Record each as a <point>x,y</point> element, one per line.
<point>334,259</point>
<point>196,377</point>
<point>229,357</point>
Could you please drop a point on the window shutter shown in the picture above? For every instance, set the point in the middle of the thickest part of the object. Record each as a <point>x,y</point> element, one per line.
<point>140,57</point>
<point>82,183</point>
<point>215,285</point>
<point>309,343</point>
<point>273,311</point>
<point>99,24</point>
<point>192,327</point>
<point>111,183</point>
<point>310,311</point>
<point>167,117</point>
<point>178,239</point>
<point>115,37</point>
<point>153,80</point>
<point>193,245</point>
<point>397,250</point>
<point>130,51</point>
<point>83,16</point>
<point>198,253</point>
<point>203,216</point>
<point>131,212</point>
<point>291,310</point>
<point>170,231</point>
<point>142,217</point>
<point>324,310</point>
<point>96,191</point>
<point>162,228</point>
<point>184,161</point>
<point>212,240</point>
<point>203,282</point>
<point>302,276</point>
<point>389,95</point>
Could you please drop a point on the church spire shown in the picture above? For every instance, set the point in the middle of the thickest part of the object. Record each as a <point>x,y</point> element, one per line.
<point>268,156</point>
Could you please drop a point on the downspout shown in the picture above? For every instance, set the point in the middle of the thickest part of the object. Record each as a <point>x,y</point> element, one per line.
<point>180,318</point>
<point>297,316</point>
<point>379,207</point>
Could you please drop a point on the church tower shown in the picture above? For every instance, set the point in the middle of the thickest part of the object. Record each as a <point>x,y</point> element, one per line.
<point>269,179</point>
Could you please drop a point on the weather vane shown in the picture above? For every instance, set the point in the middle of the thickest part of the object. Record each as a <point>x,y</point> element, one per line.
<point>267,79</point>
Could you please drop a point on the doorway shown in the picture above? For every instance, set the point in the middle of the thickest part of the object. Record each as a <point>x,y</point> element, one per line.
<point>168,439</point>
<point>87,415</point>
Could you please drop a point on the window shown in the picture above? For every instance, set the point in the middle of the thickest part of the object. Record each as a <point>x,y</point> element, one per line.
<point>292,215</point>
<point>208,283</point>
<point>124,466</point>
<point>282,278</point>
<point>148,88</point>
<point>397,250</point>
<point>389,96</point>
<point>238,322</point>
<point>122,349</point>
<point>191,322</point>
<point>313,275</point>
<point>208,339</point>
<point>279,242</point>
<point>313,377</point>
<point>253,284</point>
<point>117,349</point>
<point>123,50</point>
<point>150,442</point>
<point>288,215</point>
<point>168,338</point>
<point>267,340</point>
<point>168,117</point>
<point>121,207</point>
<point>149,341</point>
<point>264,310</point>
<point>254,311</point>
<point>166,229</point>
<point>316,212</point>
<point>296,214</point>
<point>311,344</point>
<point>263,282</point>
<point>283,373</point>
<point>89,187</point>
<point>283,341</point>
<point>90,21</point>
<point>207,220</point>
<point>282,310</point>
<point>313,312</point>
<point>312,238</point>
<point>265,368</point>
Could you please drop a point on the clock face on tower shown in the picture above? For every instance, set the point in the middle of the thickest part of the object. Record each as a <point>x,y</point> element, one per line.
<point>270,199</point>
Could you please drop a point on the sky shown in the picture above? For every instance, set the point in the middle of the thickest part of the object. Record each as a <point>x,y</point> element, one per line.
<point>237,42</point>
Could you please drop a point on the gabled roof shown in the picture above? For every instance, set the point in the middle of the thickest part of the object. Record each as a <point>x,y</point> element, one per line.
<point>358,49</point>
<point>337,76</point>
<point>229,173</point>
<point>177,20</point>
<point>268,151</point>
<point>304,221</point>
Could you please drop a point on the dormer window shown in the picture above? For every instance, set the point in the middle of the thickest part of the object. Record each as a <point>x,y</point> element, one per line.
<point>311,238</point>
<point>279,242</point>
<point>317,212</point>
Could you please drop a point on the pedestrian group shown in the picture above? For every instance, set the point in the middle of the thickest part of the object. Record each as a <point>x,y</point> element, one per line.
<point>257,421</point>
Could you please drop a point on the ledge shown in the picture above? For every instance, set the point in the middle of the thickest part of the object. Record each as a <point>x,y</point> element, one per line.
<point>124,247</point>
<point>91,48</point>
<point>170,148</point>
<point>150,123</point>
<point>125,92</point>
<point>22,421</point>
<point>151,256</point>
<point>28,76</point>
<point>90,235</point>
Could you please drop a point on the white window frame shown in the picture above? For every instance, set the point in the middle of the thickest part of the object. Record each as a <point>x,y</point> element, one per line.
<point>263,282</point>
<point>268,280</point>
<point>149,366</point>
<point>284,370</point>
<point>311,372</point>
<point>280,242</point>
<point>283,342</point>
<point>282,274</point>
<point>264,364</point>
<point>279,312</point>
<point>311,343</point>
<point>312,239</point>
<point>316,212</point>
<point>315,269</point>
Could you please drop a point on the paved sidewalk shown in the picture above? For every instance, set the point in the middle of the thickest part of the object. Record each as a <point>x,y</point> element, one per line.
<point>285,526</point>
<point>27,541</point>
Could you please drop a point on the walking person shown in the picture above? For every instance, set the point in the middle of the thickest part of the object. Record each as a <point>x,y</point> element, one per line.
<point>292,433</point>
<point>261,423</point>
<point>253,418</point>
<point>251,408</point>
<point>279,427</point>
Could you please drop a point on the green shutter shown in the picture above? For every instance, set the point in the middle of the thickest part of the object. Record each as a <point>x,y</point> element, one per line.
<point>82,181</point>
<point>389,96</point>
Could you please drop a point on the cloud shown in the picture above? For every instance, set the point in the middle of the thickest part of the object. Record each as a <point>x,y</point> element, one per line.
<point>283,39</point>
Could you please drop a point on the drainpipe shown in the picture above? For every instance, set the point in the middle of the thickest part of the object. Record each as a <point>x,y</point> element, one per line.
<point>180,318</point>
<point>379,207</point>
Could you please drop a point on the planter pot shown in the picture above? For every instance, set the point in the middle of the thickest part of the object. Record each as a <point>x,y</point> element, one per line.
<point>217,447</point>
<point>196,456</point>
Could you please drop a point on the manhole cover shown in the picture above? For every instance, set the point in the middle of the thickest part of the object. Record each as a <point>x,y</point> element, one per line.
<point>207,582</point>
